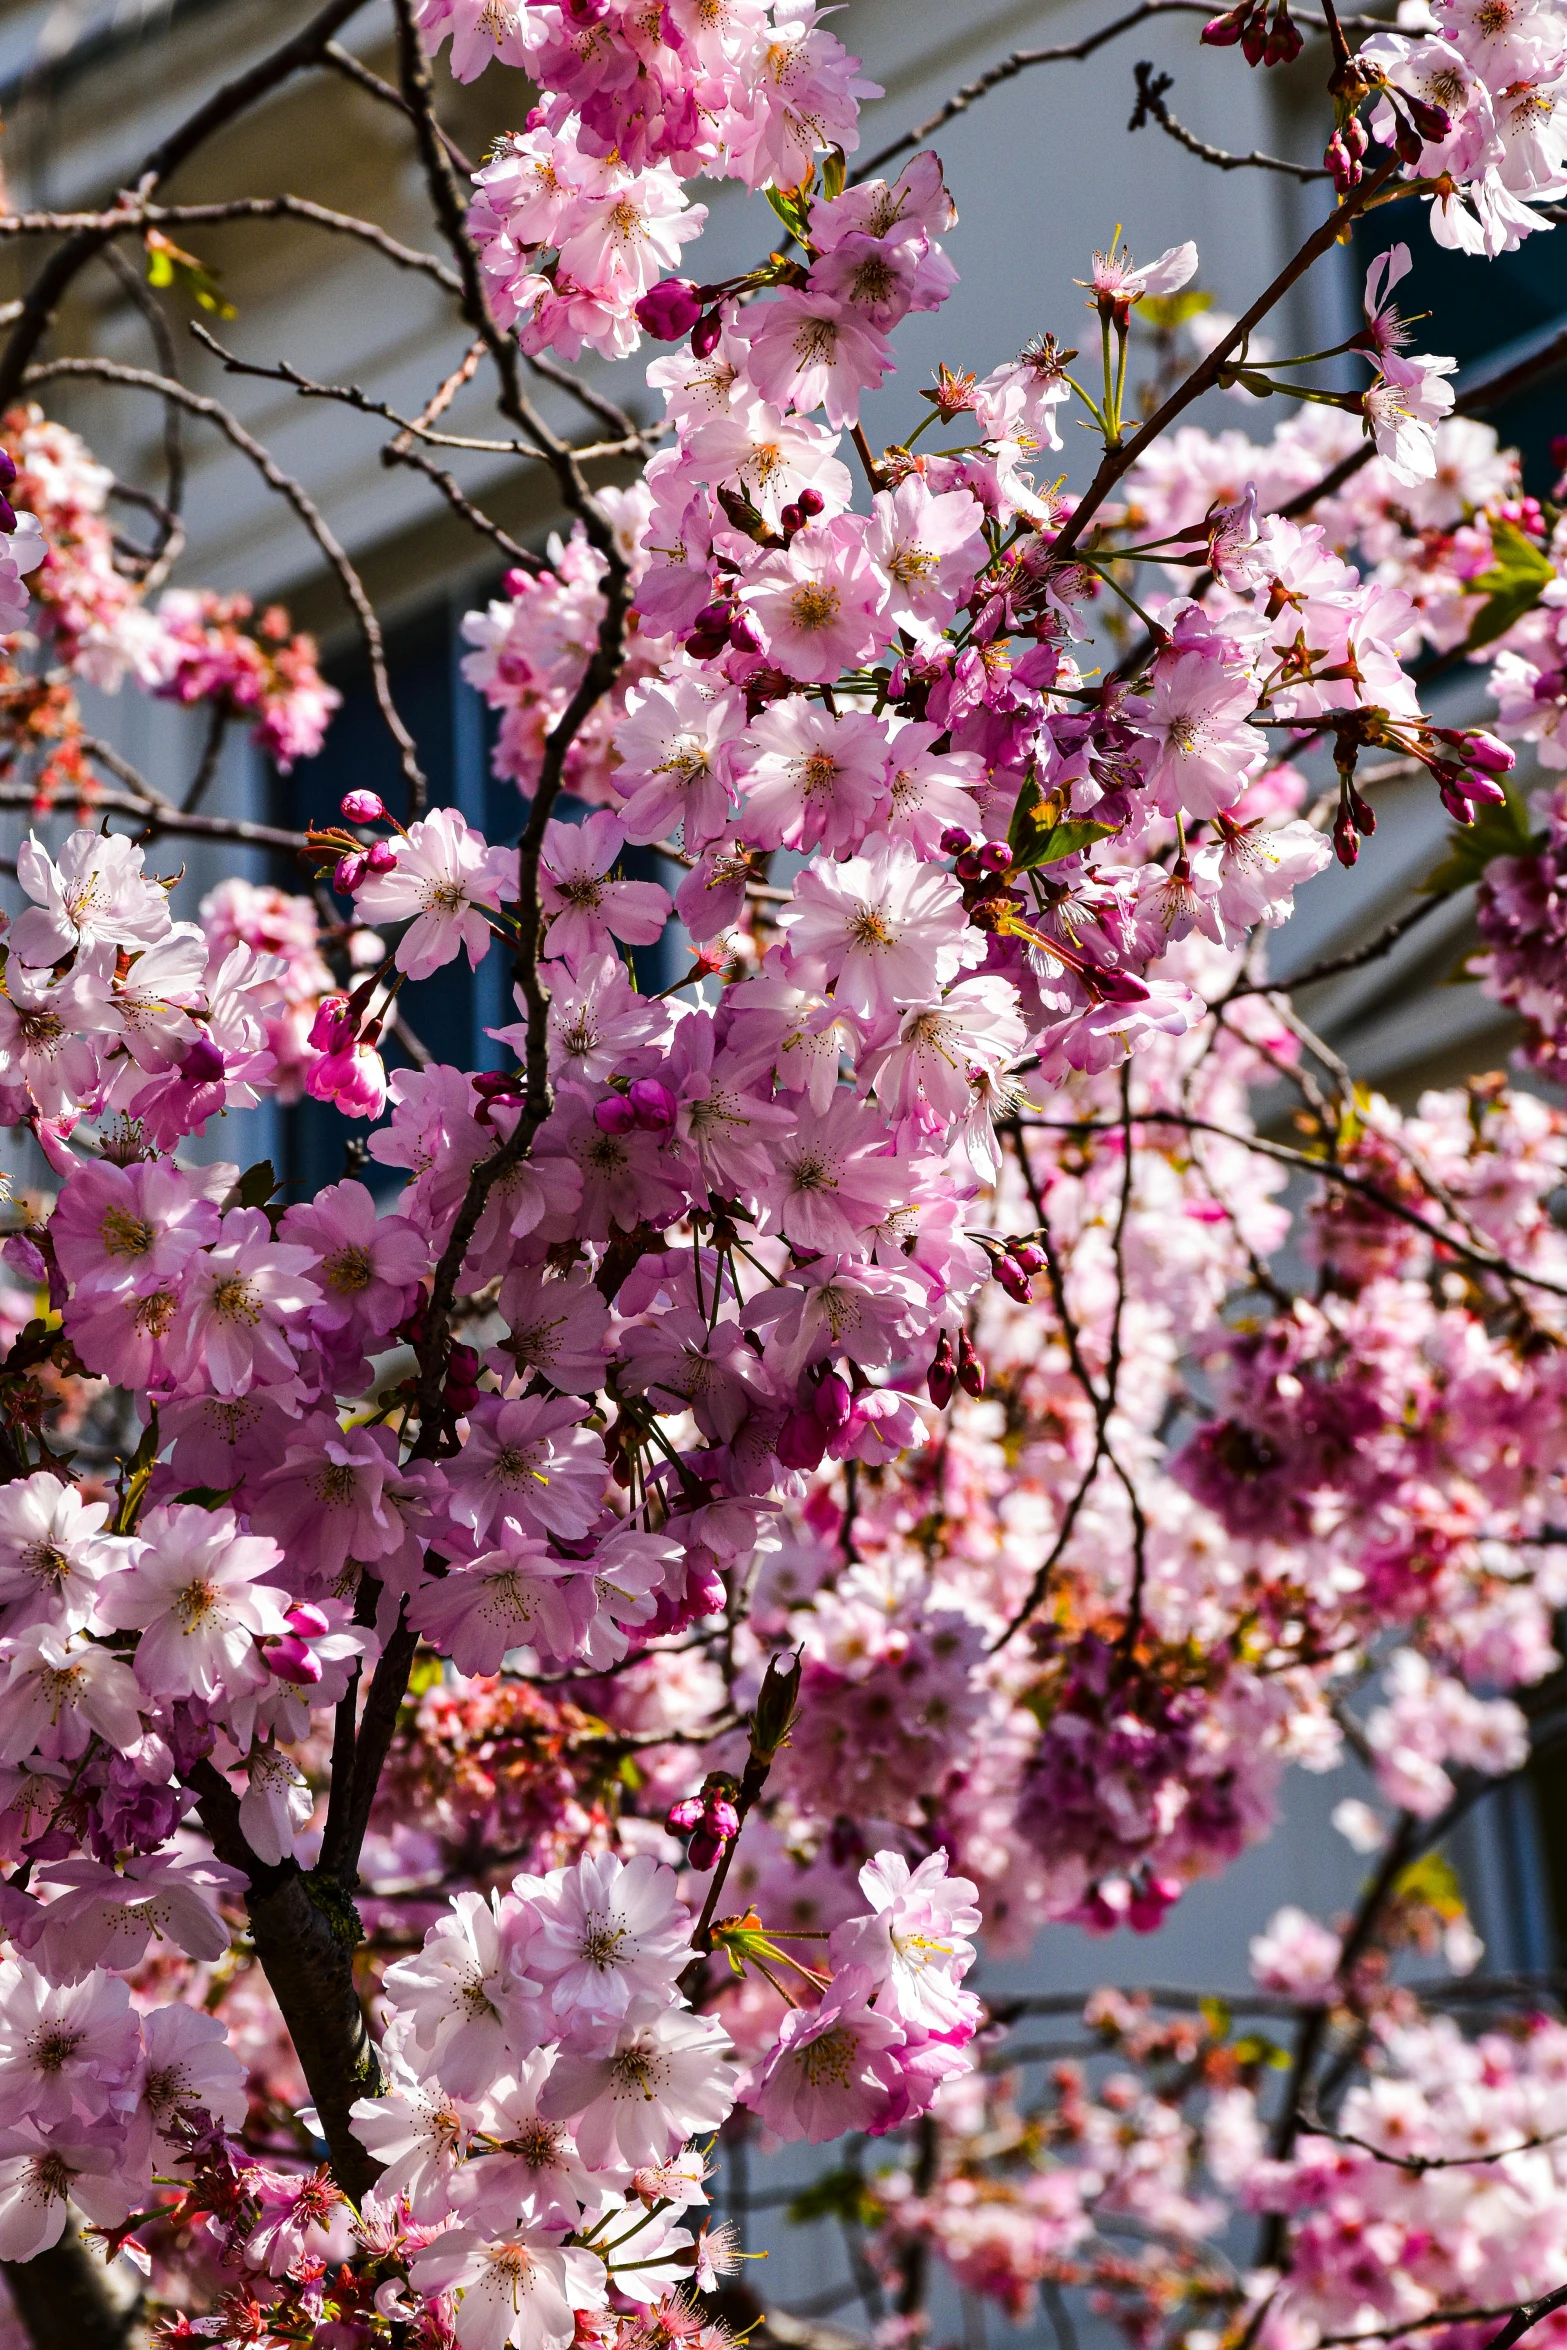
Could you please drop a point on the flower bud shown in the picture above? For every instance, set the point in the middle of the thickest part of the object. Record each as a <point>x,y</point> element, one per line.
<point>995,856</point>
<point>1151,1901</point>
<point>801,1441</point>
<point>941,1378</point>
<point>955,840</point>
<point>971,1371</point>
<point>669,310</point>
<point>968,867</point>
<point>1346,840</point>
<point>291,1660</point>
<point>7,469</point>
<point>615,1115</point>
<point>652,1104</point>
<point>775,1702</point>
<point>362,807</point>
<point>832,1402</point>
<point>1489,753</point>
<point>382,857</point>
<point>704,1848</point>
<point>332,1029</point>
<point>743,634</point>
<point>810,503</point>
<point>308,1621</point>
<point>721,1818</point>
<point>790,519</point>
<point>347,874</point>
<point>203,1063</point>
<point>1013,1280</point>
<point>1029,1255</point>
<point>683,1816</point>
<point>706,335</point>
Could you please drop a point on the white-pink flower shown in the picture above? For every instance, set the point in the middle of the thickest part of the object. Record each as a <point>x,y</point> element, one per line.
<point>584,908</point>
<point>833,2068</point>
<point>519,2291</point>
<point>241,1300</point>
<point>445,874</point>
<point>607,1932</point>
<point>816,600</point>
<point>53,1552</point>
<point>196,1594</point>
<point>881,926</point>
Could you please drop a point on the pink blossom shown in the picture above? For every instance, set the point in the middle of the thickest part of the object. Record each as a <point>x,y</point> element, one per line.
<point>236,1310</point>
<point>834,2067</point>
<point>816,601</point>
<point>811,778</point>
<point>195,1595</point>
<point>445,874</point>
<point>881,926</point>
<point>583,907</point>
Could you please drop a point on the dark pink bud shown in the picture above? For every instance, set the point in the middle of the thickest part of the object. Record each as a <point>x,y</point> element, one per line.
<point>462,1364</point>
<point>1356,137</point>
<point>24,1256</point>
<point>1222,32</point>
<point>704,1848</point>
<point>614,1116</point>
<point>971,1371</point>
<point>801,1441</point>
<point>203,1064</point>
<point>347,874</point>
<point>1119,987</point>
<point>743,634</point>
<point>7,469</point>
<point>362,807</point>
<point>291,1660</point>
<point>308,1620</point>
<point>685,1815</point>
<point>7,516</point>
<point>1150,1902</point>
<point>995,856</point>
<point>722,1819</point>
<point>1489,753</point>
<point>810,503</point>
<point>941,1378</point>
<point>652,1105</point>
<point>706,335</point>
<point>670,310</point>
<point>955,840</point>
<point>1432,122</point>
<point>833,1402</point>
<point>1029,1255</point>
<point>1346,840</point>
<point>1455,803</point>
<point>1013,1279</point>
<point>968,867</point>
<point>332,1030</point>
<point>382,857</point>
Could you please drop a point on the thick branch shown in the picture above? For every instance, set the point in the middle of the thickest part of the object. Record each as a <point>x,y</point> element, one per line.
<point>305,1937</point>
<point>67,2297</point>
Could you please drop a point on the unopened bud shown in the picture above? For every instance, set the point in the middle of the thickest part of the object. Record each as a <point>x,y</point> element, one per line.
<point>1029,1255</point>
<point>775,1703</point>
<point>652,1105</point>
<point>362,807</point>
<point>706,335</point>
<point>955,840</point>
<point>743,634</point>
<point>1346,840</point>
<point>833,1402</point>
<point>381,857</point>
<point>1013,1279</point>
<point>1489,753</point>
<point>704,1848</point>
<point>942,1376</point>
<point>995,856</point>
<point>801,1441</point>
<point>347,874</point>
<point>971,1371</point>
<point>203,1064</point>
<point>685,1815</point>
<point>291,1660</point>
<point>810,503</point>
<point>615,1115</point>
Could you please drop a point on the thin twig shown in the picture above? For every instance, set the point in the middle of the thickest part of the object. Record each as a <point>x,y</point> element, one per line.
<point>352,69</point>
<point>132,219</point>
<point>1151,107</point>
<point>201,404</point>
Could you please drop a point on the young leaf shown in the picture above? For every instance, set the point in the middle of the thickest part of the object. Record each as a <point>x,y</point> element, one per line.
<point>1495,832</point>
<point>1512,586</point>
<point>1062,840</point>
<point>168,266</point>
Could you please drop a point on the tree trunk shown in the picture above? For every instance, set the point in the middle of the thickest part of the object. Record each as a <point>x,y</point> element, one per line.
<point>68,2300</point>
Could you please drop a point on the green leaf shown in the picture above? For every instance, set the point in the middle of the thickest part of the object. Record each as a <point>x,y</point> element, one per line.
<point>792,208</point>
<point>838,2194</point>
<point>1164,312</point>
<point>1434,1881</point>
<point>1513,585</point>
<point>835,170</point>
<point>1037,836</point>
<point>1495,832</point>
<point>256,1186</point>
<point>1257,2048</point>
<point>1062,840</point>
<point>1216,2015</point>
<point>208,1497</point>
<point>168,266</point>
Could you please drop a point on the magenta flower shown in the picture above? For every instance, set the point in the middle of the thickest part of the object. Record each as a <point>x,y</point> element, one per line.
<point>834,2067</point>
<point>584,908</point>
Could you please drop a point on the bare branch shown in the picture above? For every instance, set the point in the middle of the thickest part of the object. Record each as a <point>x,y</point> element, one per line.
<point>171,528</point>
<point>54,280</point>
<point>352,69</point>
<point>200,404</point>
<point>1151,107</point>
<point>131,219</point>
<point>158,817</point>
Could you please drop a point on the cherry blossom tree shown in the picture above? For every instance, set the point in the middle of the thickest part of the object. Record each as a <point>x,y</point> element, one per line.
<point>540,1668</point>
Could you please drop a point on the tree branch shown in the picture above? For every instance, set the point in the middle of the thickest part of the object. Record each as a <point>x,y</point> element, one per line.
<point>201,404</point>
<point>1151,107</point>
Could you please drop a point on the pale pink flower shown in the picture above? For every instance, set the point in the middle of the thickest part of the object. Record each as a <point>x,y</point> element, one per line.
<point>833,2068</point>
<point>556,1325</point>
<point>771,458</point>
<point>534,2174</point>
<point>607,1933</point>
<point>1196,717</point>
<point>1295,1955</point>
<point>928,791</point>
<point>927,550</point>
<point>832,1179</point>
<point>238,1304</point>
<point>815,601</point>
<point>66,2052</point>
<point>58,1691</point>
<point>663,2081</point>
<point>519,2291</point>
<point>465,1996</point>
<point>679,1361</point>
<point>529,1463</point>
<point>810,350</point>
<point>445,874</point>
<point>276,1805</point>
<point>915,1944</point>
<point>195,1594</point>
<point>939,1044</point>
<point>368,1266</point>
<point>881,926</point>
<point>94,891</point>
<point>54,1553</point>
<point>519,1597</point>
<point>811,779</point>
<point>418,2131</point>
<point>43,2173</point>
<point>585,909</point>
<point>131,1227</point>
<point>597,1020</point>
